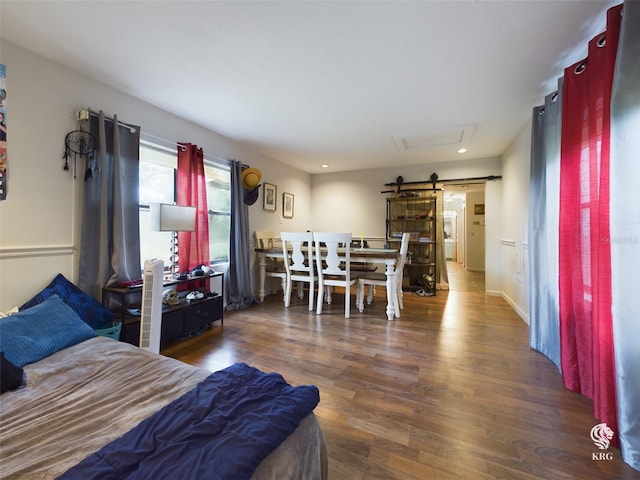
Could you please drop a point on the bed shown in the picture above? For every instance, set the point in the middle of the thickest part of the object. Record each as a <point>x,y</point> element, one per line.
<point>93,407</point>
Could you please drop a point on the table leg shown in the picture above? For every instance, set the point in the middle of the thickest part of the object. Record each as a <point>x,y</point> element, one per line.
<point>262,263</point>
<point>392,304</point>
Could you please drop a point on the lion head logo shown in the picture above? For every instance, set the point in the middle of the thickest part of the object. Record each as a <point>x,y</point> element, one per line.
<point>601,434</point>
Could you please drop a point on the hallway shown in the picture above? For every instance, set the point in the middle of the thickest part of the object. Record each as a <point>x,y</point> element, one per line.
<point>461,280</point>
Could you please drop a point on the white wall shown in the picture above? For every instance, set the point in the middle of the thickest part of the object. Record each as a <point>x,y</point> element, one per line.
<point>493,225</point>
<point>475,232</point>
<point>516,163</point>
<point>352,202</point>
<point>39,221</point>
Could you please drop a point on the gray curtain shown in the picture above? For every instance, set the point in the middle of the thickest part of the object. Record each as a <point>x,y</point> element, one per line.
<point>110,243</point>
<point>625,230</point>
<point>239,288</point>
<point>544,204</point>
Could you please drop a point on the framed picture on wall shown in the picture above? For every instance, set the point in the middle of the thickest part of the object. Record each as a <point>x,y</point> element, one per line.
<point>269,195</point>
<point>478,209</point>
<point>287,205</point>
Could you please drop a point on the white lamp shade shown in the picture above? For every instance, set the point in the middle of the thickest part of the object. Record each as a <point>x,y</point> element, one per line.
<point>172,218</point>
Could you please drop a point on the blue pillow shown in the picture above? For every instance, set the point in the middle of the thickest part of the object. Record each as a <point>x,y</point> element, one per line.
<point>87,308</point>
<point>40,331</point>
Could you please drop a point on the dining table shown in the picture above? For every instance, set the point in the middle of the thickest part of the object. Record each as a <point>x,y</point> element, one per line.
<point>386,256</point>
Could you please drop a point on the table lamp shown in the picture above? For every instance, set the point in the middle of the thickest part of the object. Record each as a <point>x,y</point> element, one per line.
<point>173,218</point>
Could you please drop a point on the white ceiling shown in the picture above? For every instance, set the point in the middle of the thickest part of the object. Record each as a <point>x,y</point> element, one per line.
<point>311,82</point>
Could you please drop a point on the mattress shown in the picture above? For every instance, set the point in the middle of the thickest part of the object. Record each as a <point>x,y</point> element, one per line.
<point>83,397</point>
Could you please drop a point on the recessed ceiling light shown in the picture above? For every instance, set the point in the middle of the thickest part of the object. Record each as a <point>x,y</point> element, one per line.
<point>324,165</point>
<point>462,150</point>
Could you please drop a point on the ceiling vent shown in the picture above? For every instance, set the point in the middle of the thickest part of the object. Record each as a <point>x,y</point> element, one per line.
<point>439,138</point>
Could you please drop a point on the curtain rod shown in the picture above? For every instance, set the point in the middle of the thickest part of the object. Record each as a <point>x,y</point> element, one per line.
<point>166,142</point>
<point>84,114</point>
<point>147,136</point>
<point>451,180</point>
<point>131,128</point>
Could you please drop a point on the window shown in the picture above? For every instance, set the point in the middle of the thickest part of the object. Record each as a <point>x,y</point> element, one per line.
<point>157,185</point>
<point>219,204</point>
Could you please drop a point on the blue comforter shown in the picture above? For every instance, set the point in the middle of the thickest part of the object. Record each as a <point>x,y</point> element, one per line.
<point>222,429</point>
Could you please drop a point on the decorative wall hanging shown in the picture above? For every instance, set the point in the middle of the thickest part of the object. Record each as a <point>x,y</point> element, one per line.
<point>287,205</point>
<point>269,196</point>
<point>3,132</point>
<point>80,144</point>
<point>251,183</point>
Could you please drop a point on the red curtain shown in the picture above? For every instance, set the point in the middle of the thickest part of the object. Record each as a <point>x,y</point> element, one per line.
<point>193,247</point>
<point>586,332</point>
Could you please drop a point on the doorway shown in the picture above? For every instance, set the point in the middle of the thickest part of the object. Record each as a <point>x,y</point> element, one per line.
<point>464,232</point>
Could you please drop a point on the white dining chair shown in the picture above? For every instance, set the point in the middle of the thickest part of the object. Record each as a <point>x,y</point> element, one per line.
<point>333,266</point>
<point>371,279</point>
<point>297,249</point>
<point>274,268</point>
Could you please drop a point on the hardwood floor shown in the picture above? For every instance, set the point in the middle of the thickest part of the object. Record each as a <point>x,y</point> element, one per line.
<point>451,390</point>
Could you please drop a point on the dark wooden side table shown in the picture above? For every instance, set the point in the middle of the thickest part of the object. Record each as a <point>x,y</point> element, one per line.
<point>178,321</point>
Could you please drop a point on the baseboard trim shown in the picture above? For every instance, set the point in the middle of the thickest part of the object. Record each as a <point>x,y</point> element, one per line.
<point>521,313</point>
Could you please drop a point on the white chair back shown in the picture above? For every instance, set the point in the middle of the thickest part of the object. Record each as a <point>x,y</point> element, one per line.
<point>373,279</point>
<point>270,267</point>
<point>297,250</point>
<point>328,260</point>
<point>265,239</point>
<point>334,266</point>
<point>402,255</point>
<point>402,258</point>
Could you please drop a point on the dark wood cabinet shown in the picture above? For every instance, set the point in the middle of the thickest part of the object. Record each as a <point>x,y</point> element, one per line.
<point>178,321</point>
<point>414,211</point>
<point>172,327</point>
<point>198,315</point>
